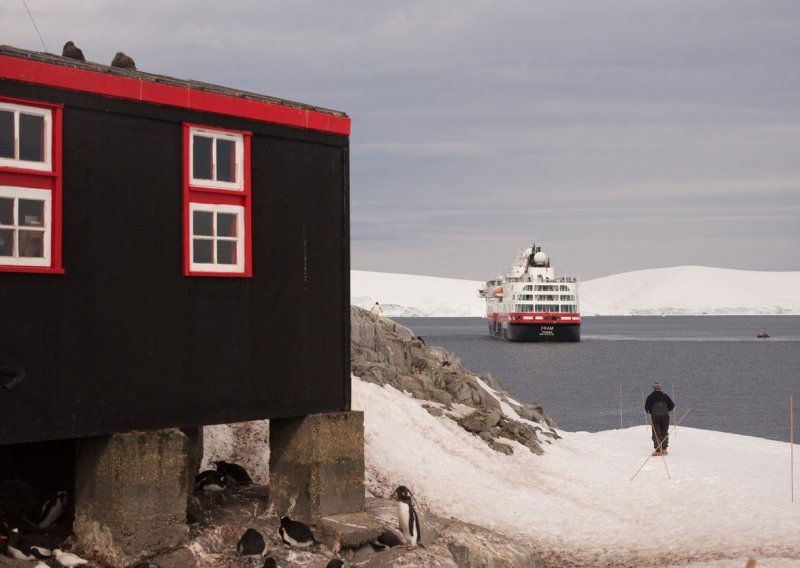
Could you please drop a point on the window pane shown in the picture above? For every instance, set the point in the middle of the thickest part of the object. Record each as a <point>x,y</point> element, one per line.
<point>202,222</point>
<point>226,252</point>
<point>6,211</point>
<point>6,242</point>
<point>31,137</point>
<point>31,244</point>
<point>226,224</point>
<point>201,156</point>
<point>226,160</point>
<point>202,251</point>
<point>31,213</point>
<point>6,134</point>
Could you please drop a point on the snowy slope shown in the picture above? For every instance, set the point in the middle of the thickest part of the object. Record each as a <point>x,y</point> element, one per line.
<point>679,290</point>
<point>692,290</point>
<point>715,501</point>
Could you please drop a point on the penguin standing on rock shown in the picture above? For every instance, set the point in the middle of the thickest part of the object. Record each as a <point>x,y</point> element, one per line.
<point>51,511</point>
<point>234,471</point>
<point>251,544</point>
<point>407,516</point>
<point>335,563</point>
<point>295,533</point>
<point>210,481</point>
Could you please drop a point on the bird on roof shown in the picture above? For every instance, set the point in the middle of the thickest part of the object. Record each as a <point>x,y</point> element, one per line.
<point>72,51</point>
<point>234,471</point>
<point>123,61</point>
<point>295,533</point>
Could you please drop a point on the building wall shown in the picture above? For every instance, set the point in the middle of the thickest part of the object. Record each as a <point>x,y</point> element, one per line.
<point>123,340</point>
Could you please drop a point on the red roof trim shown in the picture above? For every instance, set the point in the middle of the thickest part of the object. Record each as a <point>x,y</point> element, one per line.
<point>130,88</point>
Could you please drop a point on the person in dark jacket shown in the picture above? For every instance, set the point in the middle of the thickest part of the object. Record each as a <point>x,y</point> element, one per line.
<point>658,405</point>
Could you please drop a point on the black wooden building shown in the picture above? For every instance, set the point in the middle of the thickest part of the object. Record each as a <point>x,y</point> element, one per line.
<point>172,253</point>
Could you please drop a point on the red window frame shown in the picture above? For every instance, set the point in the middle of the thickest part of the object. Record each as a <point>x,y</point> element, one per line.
<point>41,179</point>
<point>222,195</point>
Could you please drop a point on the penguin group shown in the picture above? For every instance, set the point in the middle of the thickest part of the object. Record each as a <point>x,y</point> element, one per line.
<point>38,546</point>
<point>120,61</point>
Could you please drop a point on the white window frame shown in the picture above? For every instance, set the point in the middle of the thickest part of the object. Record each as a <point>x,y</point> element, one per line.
<point>44,195</point>
<point>240,238</point>
<point>47,163</point>
<point>238,140</point>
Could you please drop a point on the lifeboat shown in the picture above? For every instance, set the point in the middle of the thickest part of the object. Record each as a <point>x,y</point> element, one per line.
<point>763,335</point>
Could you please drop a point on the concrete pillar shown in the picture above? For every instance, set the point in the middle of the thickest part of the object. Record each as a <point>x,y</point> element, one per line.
<point>130,494</point>
<point>316,465</point>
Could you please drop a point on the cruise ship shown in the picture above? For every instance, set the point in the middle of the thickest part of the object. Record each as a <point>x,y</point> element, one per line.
<point>529,303</point>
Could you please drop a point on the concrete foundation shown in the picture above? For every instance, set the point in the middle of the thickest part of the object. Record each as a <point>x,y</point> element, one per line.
<point>131,494</point>
<point>316,466</point>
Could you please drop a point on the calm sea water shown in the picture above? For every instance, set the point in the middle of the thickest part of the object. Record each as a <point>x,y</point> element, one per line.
<point>715,366</point>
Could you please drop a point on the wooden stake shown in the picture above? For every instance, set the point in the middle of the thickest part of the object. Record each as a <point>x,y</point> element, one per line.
<point>643,410</point>
<point>791,445</point>
<point>620,406</point>
<point>673,409</point>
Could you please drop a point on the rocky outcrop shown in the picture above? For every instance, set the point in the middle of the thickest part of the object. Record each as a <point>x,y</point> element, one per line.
<point>387,353</point>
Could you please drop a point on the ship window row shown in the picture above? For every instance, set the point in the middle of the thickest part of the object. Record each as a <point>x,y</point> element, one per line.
<point>551,288</point>
<point>544,297</point>
<point>545,308</point>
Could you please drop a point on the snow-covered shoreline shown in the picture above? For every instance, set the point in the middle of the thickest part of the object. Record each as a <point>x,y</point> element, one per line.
<point>680,290</point>
<point>715,501</point>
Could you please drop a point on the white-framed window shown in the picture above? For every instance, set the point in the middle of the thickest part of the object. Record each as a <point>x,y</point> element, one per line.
<point>25,137</point>
<point>25,226</point>
<point>216,159</point>
<point>217,237</point>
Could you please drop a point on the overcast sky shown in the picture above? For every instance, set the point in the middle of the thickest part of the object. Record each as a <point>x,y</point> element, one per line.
<point>620,135</point>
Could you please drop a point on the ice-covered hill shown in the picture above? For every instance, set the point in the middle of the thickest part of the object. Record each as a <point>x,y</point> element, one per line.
<point>679,290</point>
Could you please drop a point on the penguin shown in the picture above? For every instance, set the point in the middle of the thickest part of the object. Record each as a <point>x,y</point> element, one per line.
<point>335,563</point>
<point>210,481</point>
<point>270,563</point>
<point>295,533</point>
<point>122,61</point>
<point>234,471</point>
<point>31,546</point>
<point>251,544</point>
<point>51,511</point>
<point>407,516</point>
<point>388,539</point>
<point>14,546</point>
<point>68,560</point>
<point>72,51</point>
<point>40,564</point>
